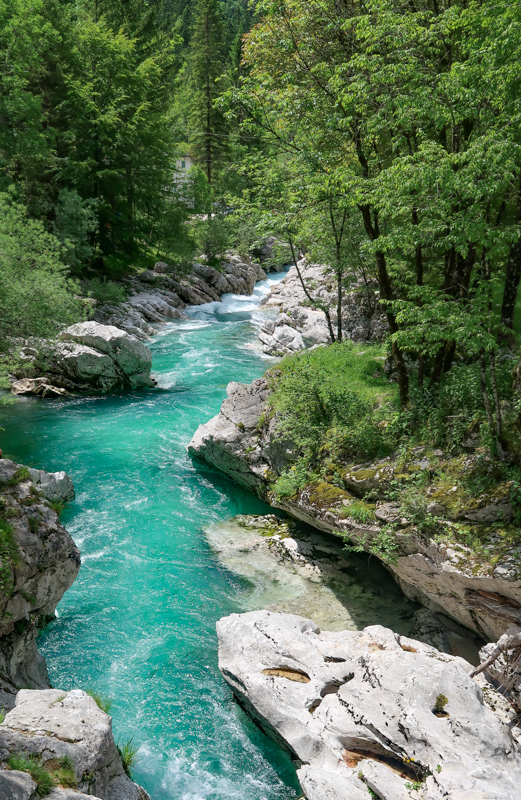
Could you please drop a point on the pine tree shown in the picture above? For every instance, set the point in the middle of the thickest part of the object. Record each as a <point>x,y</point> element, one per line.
<point>205,64</point>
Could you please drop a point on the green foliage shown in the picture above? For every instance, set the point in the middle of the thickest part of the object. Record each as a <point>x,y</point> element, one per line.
<point>383,545</point>
<point>330,402</point>
<point>361,512</point>
<point>441,702</point>
<point>76,226</point>
<point>105,291</point>
<point>415,786</point>
<point>86,100</point>
<point>289,483</point>
<point>364,159</point>
<point>9,555</point>
<point>212,237</point>
<point>36,296</point>
<point>129,756</point>
<point>104,703</point>
<point>205,69</point>
<point>3,714</point>
<point>21,474</point>
<point>33,765</point>
<point>515,500</point>
<point>33,524</point>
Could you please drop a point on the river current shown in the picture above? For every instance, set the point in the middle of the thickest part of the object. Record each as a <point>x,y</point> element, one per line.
<point>138,625</point>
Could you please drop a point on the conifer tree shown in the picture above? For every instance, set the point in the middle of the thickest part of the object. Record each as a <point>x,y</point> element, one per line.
<point>206,121</point>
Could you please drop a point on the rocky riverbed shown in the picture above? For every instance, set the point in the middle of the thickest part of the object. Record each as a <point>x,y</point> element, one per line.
<point>108,353</point>
<point>300,324</point>
<point>293,568</point>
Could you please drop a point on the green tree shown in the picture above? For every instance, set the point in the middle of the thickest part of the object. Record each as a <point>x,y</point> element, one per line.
<point>411,111</point>
<point>207,129</point>
<point>37,298</point>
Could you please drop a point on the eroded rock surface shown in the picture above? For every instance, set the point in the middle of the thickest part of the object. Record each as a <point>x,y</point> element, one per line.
<point>39,562</point>
<point>52,725</point>
<point>357,711</point>
<point>88,357</point>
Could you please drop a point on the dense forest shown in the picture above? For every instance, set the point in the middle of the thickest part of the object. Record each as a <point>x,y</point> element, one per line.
<point>381,138</point>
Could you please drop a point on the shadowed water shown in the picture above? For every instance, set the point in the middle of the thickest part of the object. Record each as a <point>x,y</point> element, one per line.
<point>138,625</point>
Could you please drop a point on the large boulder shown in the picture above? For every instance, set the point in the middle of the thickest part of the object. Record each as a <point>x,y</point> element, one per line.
<point>357,709</point>
<point>234,441</point>
<point>52,725</point>
<point>90,357</point>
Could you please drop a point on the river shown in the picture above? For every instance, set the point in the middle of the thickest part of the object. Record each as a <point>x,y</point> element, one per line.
<point>138,625</point>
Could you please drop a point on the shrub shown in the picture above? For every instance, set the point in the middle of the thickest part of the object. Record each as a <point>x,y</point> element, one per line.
<point>104,291</point>
<point>441,702</point>
<point>57,505</point>
<point>330,402</point>
<point>31,258</point>
<point>9,554</point>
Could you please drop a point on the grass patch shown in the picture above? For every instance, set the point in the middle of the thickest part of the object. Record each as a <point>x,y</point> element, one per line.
<point>361,512</point>
<point>9,555</point>
<point>104,703</point>
<point>129,757</point>
<point>57,505</point>
<point>62,772</point>
<point>33,765</point>
<point>21,474</point>
<point>3,715</point>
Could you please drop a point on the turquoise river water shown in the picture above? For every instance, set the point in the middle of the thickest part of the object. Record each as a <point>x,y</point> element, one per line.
<point>138,625</point>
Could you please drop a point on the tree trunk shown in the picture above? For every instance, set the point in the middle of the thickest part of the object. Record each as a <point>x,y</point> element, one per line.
<point>484,391</point>
<point>386,293</point>
<point>322,306</point>
<point>208,107</point>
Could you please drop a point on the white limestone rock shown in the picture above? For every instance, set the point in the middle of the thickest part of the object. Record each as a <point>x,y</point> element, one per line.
<point>51,724</point>
<point>37,386</point>
<point>356,709</point>
<point>16,785</point>
<point>103,356</point>
<point>55,486</point>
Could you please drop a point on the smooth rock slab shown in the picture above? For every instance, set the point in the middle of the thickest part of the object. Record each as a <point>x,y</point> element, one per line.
<point>356,709</point>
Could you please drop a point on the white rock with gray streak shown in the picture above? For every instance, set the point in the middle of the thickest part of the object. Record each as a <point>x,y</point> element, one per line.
<point>356,710</point>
